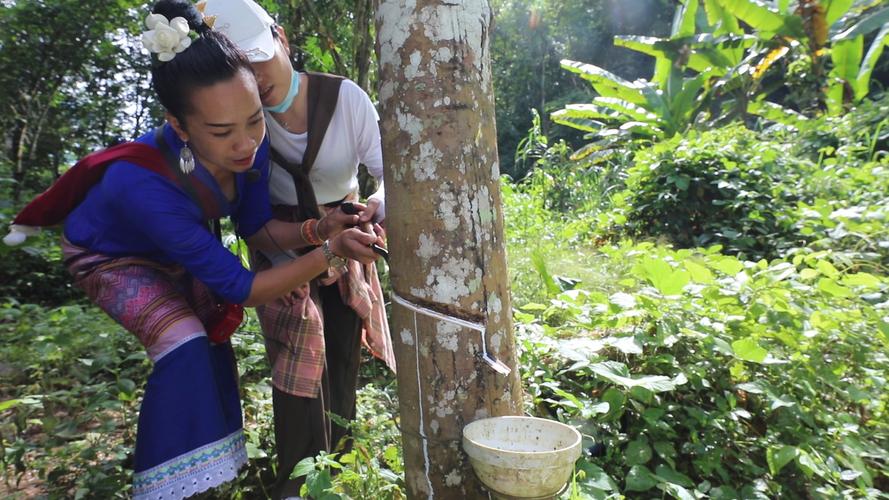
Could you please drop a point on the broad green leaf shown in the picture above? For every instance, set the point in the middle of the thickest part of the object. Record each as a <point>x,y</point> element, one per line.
<point>779,402</point>
<point>598,408</point>
<point>677,491</point>
<point>638,452</point>
<point>626,108</point>
<point>846,56</point>
<point>534,307</point>
<point>642,129</point>
<point>752,387</point>
<point>663,67</point>
<point>608,84</point>
<point>127,386</point>
<point>623,300</point>
<point>861,83</point>
<point>870,22</point>
<point>570,119</point>
<point>539,262</point>
<point>391,455</point>
<point>720,18</point>
<point>755,14</point>
<point>618,373</point>
<point>684,19</point>
<point>831,287</point>
<point>834,97</point>
<point>777,458</point>
<point>666,451</point>
<point>626,345</point>
<point>568,399</point>
<point>639,478</point>
<point>669,475</point>
<point>865,280</point>
<point>682,105</point>
<point>615,400</point>
<point>596,477</point>
<point>9,403</point>
<point>652,46</point>
<point>662,276</point>
<point>809,466</point>
<point>827,269</point>
<point>728,265</point>
<point>749,350</point>
<point>303,468</point>
<point>254,451</point>
<point>809,274</point>
<point>580,349</point>
<point>836,9</point>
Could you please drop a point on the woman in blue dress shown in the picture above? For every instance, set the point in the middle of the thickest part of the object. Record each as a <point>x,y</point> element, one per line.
<point>140,245</point>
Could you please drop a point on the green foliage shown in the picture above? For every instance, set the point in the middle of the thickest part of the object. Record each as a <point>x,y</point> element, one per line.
<point>529,38</point>
<point>724,72</point>
<point>373,466</point>
<point>69,400</point>
<point>695,373</point>
<point>652,110</point>
<point>34,273</point>
<point>727,377</point>
<point>727,186</point>
<point>72,79</point>
<point>333,36</point>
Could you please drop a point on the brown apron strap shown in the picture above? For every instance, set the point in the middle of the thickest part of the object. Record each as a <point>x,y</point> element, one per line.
<point>322,96</point>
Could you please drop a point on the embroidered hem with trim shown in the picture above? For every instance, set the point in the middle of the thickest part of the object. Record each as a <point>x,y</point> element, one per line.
<point>193,472</point>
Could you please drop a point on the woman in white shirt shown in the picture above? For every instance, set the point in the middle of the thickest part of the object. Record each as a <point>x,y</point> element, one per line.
<point>313,338</point>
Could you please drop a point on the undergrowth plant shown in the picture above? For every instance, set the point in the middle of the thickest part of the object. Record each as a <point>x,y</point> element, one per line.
<point>712,376</point>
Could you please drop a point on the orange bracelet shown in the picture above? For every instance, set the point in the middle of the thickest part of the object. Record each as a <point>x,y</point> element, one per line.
<point>309,232</point>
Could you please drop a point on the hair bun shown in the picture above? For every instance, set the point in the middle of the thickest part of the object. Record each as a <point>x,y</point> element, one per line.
<point>181,8</point>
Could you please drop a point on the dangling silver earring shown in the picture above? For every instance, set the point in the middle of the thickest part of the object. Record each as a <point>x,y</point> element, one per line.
<point>186,160</point>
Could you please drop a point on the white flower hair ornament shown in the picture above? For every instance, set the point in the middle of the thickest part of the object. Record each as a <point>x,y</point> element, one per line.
<point>166,38</point>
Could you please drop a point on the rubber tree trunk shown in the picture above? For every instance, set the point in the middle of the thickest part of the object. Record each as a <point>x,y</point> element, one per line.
<point>445,226</point>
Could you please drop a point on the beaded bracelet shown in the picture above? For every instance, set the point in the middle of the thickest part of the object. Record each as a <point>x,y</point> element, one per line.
<point>309,232</point>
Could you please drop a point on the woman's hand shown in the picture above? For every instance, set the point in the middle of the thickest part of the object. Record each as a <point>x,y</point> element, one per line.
<point>367,215</point>
<point>336,221</point>
<point>354,243</point>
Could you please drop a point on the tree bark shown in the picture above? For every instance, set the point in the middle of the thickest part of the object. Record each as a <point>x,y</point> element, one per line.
<point>362,42</point>
<point>20,137</point>
<point>445,226</point>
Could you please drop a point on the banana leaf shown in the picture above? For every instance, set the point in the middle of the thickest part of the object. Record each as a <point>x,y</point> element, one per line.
<point>861,85</point>
<point>836,9</point>
<point>608,84</point>
<point>846,56</point>
<point>720,19</point>
<point>755,14</point>
<point>870,22</point>
<point>627,108</point>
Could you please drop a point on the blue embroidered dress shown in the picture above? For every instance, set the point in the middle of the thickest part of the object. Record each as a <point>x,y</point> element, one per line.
<point>140,248</point>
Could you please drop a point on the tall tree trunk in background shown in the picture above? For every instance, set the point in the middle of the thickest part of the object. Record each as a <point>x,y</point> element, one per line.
<point>19,140</point>
<point>362,42</point>
<point>445,225</point>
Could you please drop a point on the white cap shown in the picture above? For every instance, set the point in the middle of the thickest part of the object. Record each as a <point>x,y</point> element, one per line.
<point>246,24</point>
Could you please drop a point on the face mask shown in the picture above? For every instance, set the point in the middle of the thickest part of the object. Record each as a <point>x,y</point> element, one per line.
<point>291,94</point>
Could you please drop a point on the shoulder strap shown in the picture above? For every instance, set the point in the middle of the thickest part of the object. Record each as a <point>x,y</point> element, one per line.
<point>326,89</point>
<point>323,93</point>
<point>52,206</point>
